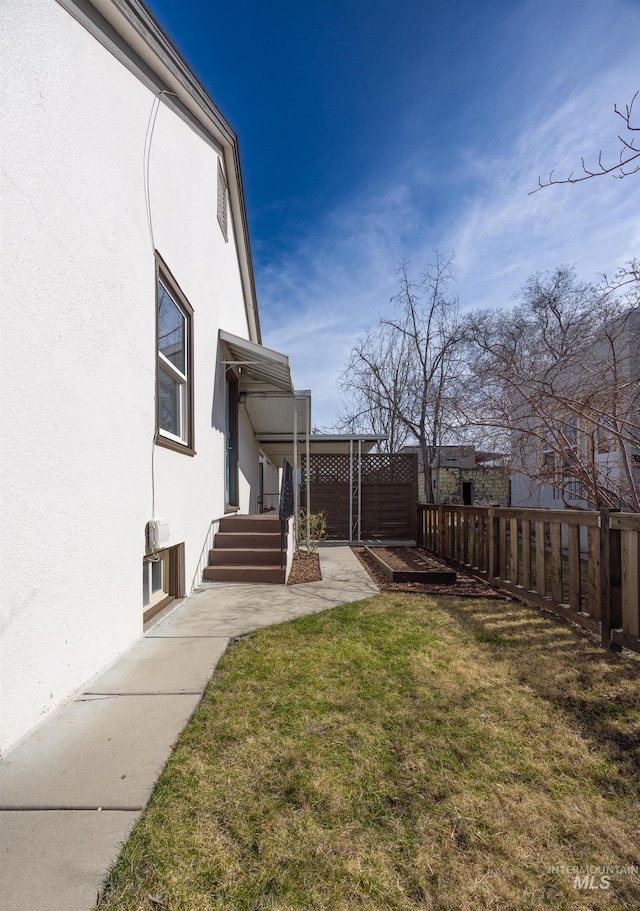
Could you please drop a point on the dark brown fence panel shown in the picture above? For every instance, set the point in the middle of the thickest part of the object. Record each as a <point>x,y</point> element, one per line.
<point>333,500</point>
<point>583,565</point>
<point>382,489</point>
<point>329,491</point>
<point>386,511</point>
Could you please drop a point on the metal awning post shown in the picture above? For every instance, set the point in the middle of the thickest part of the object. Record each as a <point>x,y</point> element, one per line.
<point>359,491</point>
<point>296,489</point>
<point>351,491</point>
<point>307,465</point>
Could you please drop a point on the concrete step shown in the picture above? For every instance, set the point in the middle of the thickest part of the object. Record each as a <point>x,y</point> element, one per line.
<point>270,574</point>
<point>248,556</point>
<point>246,549</point>
<point>240,540</point>
<point>267,522</point>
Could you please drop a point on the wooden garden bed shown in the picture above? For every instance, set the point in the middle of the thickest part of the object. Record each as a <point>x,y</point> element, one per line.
<point>405,564</point>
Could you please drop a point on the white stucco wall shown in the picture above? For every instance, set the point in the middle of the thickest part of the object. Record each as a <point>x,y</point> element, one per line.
<point>271,483</point>
<point>78,353</point>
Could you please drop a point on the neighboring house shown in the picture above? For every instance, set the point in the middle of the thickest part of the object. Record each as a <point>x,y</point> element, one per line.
<point>134,383</point>
<point>591,447</point>
<point>464,475</point>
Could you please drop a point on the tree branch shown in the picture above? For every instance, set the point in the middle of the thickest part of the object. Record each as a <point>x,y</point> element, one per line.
<point>622,168</point>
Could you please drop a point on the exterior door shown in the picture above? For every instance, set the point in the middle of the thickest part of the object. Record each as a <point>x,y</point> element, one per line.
<point>231,440</point>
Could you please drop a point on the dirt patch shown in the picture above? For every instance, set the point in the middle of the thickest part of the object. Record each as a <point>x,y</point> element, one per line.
<point>465,585</point>
<point>305,568</point>
<point>401,558</point>
<point>406,564</point>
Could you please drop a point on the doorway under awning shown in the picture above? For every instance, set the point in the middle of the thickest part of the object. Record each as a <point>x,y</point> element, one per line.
<point>275,409</point>
<point>372,494</point>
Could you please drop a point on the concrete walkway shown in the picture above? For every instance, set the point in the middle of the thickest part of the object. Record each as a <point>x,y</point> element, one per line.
<point>71,792</point>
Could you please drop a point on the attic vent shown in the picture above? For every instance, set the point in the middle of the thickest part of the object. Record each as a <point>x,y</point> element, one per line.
<point>223,193</point>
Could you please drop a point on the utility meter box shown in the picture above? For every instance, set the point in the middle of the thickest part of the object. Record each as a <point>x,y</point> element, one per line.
<point>157,535</point>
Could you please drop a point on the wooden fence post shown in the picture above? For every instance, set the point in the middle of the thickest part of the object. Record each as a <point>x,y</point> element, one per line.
<point>610,580</point>
<point>615,579</point>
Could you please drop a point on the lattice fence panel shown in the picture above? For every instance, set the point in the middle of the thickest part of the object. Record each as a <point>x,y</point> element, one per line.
<point>377,468</point>
<point>381,468</point>
<point>327,469</point>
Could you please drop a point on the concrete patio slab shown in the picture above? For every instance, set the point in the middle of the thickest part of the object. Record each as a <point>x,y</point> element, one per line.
<point>56,861</point>
<point>157,666</point>
<point>106,748</point>
<point>226,609</point>
<point>98,751</point>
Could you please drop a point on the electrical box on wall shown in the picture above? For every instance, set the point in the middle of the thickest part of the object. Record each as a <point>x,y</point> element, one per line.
<point>156,535</point>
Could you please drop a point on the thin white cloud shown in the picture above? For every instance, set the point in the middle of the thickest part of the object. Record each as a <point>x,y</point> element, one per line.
<point>333,281</point>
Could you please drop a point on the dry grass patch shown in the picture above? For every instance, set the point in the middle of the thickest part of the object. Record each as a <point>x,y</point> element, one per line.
<point>405,752</point>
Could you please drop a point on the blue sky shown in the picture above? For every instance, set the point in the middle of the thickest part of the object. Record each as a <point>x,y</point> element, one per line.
<point>377,130</point>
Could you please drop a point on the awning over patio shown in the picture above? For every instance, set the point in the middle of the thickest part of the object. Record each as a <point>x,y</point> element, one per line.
<point>280,446</point>
<point>277,446</point>
<point>281,416</point>
<point>278,415</point>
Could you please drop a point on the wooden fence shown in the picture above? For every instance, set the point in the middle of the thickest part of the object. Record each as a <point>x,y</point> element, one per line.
<point>582,565</point>
<point>364,496</point>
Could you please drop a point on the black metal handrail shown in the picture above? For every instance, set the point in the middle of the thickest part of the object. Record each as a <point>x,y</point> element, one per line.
<point>287,506</point>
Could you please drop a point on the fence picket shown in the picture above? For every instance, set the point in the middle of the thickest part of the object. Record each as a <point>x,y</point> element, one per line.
<point>556,562</point>
<point>575,584</point>
<point>526,554</point>
<point>630,595</point>
<point>541,567</point>
<point>593,572</point>
<point>503,547</point>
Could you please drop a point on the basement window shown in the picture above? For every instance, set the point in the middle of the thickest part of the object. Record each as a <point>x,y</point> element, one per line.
<point>162,579</point>
<point>155,581</point>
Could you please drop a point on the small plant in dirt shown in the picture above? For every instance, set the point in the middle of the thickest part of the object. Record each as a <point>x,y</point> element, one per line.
<point>310,531</point>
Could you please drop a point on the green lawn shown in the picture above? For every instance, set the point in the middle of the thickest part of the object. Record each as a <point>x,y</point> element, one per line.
<point>405,752</point>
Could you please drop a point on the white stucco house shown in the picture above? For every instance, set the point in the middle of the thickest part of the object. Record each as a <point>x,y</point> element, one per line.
<point>135,388</point>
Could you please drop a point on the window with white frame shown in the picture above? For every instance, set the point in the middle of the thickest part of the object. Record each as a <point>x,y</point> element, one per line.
<point>174,366</point>
<point>155,572</point>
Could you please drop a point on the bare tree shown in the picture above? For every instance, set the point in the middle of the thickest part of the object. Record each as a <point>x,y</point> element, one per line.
<point>628,159</point>
<point>625,284</point>
<point>373,383</point>
<point>402,375</point>
<point>559,374</point>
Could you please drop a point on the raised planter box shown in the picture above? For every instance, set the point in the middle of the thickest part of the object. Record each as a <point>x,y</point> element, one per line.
<point>404,564</point>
